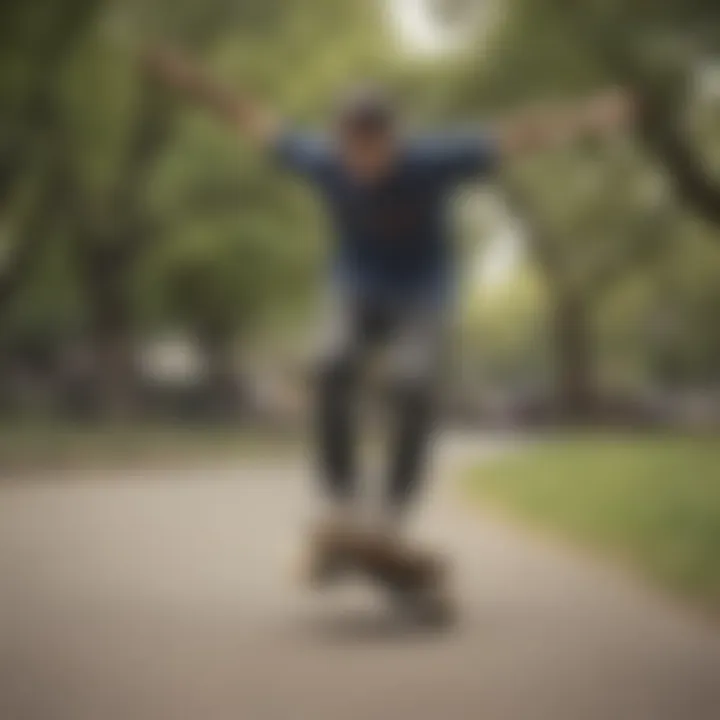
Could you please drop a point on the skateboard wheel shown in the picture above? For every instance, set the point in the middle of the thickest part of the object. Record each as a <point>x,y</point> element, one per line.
<point>437,611</point>
<point>430,608</point>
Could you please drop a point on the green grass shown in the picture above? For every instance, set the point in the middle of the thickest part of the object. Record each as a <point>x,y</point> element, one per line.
<point>48,447</point>
<point>652,502</point>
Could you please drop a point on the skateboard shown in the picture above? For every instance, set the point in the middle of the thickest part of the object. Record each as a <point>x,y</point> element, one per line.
<point>415,579</point>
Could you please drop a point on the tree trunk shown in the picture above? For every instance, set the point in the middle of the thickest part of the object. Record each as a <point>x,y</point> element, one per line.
<point>114,374</point>
<point>106,271</point>
<point>572,333</point>
<point>576,392</point>
<point>224,401</point>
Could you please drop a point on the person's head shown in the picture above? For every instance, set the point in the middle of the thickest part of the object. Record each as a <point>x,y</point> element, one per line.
<point>366,131</point>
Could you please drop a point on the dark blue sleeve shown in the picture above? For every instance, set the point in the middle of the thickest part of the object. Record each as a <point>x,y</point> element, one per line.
<point>463,156</point>
<point>301,152</point>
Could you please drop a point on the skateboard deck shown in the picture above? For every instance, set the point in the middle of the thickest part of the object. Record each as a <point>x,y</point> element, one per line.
<point>415,578</point>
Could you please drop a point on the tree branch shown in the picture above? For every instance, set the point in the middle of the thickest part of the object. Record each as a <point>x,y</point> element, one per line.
<point>546,252</point>
<point>45,62</point>
<point>34,232</point>
<point>659,122</point>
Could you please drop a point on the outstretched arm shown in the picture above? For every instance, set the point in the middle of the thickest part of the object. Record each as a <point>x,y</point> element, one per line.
<point>548,127</point>
<point>241,112</point>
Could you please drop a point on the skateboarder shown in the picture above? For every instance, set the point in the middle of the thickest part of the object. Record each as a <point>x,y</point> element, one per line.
<point>392,278</point>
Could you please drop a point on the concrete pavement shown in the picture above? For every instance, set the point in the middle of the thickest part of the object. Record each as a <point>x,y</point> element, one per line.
<point>168,596</point>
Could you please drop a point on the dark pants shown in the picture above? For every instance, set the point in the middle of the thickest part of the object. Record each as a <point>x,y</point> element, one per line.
<point>412,334</point>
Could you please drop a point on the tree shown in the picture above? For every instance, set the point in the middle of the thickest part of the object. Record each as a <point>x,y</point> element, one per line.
<point>36,39</point>
<point>657,53</point>
<point>598,222</point>
<point>592,215</point>
<point>142,202</point>
<point>242,240</point>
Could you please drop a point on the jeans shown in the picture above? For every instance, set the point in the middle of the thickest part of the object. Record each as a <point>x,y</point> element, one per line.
<point>412,333</point>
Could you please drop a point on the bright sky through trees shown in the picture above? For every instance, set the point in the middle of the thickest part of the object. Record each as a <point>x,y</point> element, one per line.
<point>416,28</point>
<point>420,33</point>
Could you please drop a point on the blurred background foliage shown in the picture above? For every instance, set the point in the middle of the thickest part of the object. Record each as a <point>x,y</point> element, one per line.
<point>131,222</point>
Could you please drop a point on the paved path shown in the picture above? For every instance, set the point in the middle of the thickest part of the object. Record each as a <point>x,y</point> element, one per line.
<point>164,597</point>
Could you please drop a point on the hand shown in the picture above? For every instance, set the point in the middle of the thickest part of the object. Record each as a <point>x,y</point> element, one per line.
<point>541,128</point>
<point>610,111</point>
<point>170,66</point>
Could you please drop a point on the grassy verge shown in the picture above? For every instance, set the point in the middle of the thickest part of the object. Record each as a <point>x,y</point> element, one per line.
<point>653,502</point>
<point>38,448</point>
